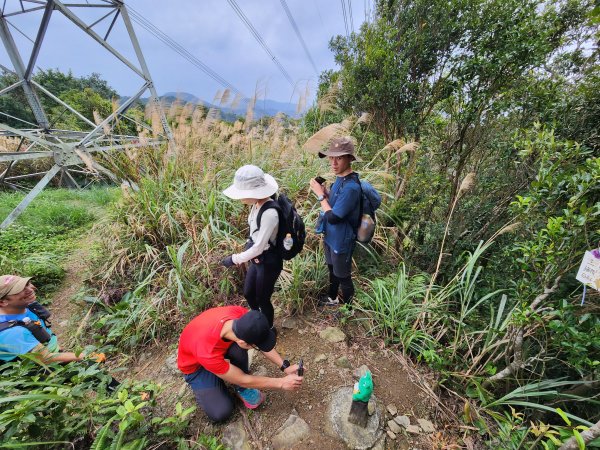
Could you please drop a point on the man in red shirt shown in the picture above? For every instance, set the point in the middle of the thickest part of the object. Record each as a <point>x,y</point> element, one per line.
<point>213,348</point>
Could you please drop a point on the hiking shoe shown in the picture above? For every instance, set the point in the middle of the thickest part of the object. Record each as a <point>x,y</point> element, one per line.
<point>252,398</point>
<point>328,301</point>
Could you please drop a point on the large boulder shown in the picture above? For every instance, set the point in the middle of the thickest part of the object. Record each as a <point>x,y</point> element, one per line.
<point>234,436</point>
<point>354,436</point>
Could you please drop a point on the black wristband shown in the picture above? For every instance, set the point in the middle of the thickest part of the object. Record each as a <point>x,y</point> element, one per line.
<point>284,365</point>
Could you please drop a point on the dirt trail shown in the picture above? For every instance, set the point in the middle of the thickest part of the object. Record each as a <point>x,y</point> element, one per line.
<point>393,384</point>
<point>394,380</point>
<point>62,308</point>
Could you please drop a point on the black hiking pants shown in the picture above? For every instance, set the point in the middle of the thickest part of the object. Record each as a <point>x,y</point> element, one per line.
<point>260,283</point>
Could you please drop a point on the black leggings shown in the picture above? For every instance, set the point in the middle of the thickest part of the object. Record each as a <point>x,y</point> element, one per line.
<point>345,283</point>
<point>260,283</point>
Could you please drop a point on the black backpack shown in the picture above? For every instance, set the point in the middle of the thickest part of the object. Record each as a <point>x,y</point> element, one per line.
<point>290,222</point>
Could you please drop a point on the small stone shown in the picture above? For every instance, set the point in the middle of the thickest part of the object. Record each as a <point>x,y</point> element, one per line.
<point>392,409</point>
<point>321,371</point>
<point>371,406</point>
<point>394,426</point>
<point>309,407</point>
<point>414,429</point>
<point>426,425</point>
<point>332,334</point>
<point>358,373</point>
<point>293,431</point>
<point>403,421</point>
<point>289,323</point>
<point>320,357</point>
<point>63,323</point>
<point>391,434</point>
<point>171,364</point>
<point>343,362</point>
<point>234,436</point>
<point>261,371</point>
<point>251,355</point>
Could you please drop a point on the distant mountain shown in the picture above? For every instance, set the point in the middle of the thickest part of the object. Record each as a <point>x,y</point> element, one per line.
<point>262,108</point>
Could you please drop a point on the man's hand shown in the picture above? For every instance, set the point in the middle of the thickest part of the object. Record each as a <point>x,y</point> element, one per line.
<point>317,188</point>
<point>291,382</point>
<point>292,369</point>
<point>228,262</point>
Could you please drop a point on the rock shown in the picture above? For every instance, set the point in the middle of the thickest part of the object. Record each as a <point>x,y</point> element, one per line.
<point>391,434</point>
<point>321,371</point>
<point>414,429</point>
<point>403,421</point>
<point>289,323</point>
<point>357,373</point>
<point>332,334</point>
<point>392,409</point>
<point>372,406</point>
<point>63,323</point>
<point>234,436</point>
<point>337,424</point>
<point>343,362</point>
<point>394,426</point>
<point>251,355</point>
<point>171,364</point>
<point>320,357</point>
<point>293,431</point>
<point>380,445</point>
<point>426,426</point>
<point>261,371</point>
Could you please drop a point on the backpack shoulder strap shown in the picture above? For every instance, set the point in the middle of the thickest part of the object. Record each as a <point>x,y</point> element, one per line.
<point>271,204</point>
<point>9,324</point>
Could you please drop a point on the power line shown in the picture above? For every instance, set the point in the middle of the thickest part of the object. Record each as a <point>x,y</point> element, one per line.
<point>344,14</point>
<point>259,39</point>
<point>176,47</point>
<point>295,27</point>
<point>350,15</point>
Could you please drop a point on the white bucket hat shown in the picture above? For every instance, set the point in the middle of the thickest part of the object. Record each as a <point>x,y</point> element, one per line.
<point>251,182</point>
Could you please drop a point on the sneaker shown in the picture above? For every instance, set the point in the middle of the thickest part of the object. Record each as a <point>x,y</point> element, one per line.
<point>328,301</point>
<point>252,398</point>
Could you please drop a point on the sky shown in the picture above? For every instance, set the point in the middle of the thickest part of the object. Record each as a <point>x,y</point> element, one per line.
<point>208,29</point>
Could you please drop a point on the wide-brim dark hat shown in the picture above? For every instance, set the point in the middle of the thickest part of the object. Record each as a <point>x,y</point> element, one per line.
<point>253,327</point>
<point>339,147</point>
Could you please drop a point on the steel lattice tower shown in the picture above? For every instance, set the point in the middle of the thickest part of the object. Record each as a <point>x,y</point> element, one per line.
<point>70,150</point>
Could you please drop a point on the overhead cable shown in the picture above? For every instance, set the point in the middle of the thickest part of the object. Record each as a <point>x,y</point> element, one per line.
<point>297,30</point>
<point>350,15</point>
<point>259,39</point>
<point>344,14</point>
<point>179,49</point>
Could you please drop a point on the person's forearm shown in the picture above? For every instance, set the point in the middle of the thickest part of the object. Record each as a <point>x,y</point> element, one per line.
<point>274,357</point>
<point>257,382</point>
<point>63,357</point>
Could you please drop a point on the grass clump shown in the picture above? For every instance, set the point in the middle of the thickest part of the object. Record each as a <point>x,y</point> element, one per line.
<point>38,242</point>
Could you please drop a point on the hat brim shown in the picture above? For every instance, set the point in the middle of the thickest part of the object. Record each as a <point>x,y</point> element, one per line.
<point>265,191</point>
<point>328,153</point>
<point>19,286</point>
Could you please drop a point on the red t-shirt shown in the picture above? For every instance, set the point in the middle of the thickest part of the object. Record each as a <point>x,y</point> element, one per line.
<point>200,343</point>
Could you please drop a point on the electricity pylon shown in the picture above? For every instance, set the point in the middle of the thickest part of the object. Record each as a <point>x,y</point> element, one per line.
<point>70,150</point>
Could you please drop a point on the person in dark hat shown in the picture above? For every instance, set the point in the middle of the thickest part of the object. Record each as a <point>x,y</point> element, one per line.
<point>24,326</point>
<point>340,208</point>
<point>213,349</point>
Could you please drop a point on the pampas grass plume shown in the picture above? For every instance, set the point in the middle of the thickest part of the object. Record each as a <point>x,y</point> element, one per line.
<point>467,183</point>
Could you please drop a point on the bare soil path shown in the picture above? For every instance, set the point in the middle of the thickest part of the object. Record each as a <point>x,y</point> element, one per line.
<point>396,381</point>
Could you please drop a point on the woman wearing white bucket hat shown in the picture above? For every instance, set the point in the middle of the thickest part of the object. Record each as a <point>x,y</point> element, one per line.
<point>254,187</point>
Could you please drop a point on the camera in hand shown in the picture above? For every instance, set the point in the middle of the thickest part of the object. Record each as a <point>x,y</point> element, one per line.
<point>300,371</point>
